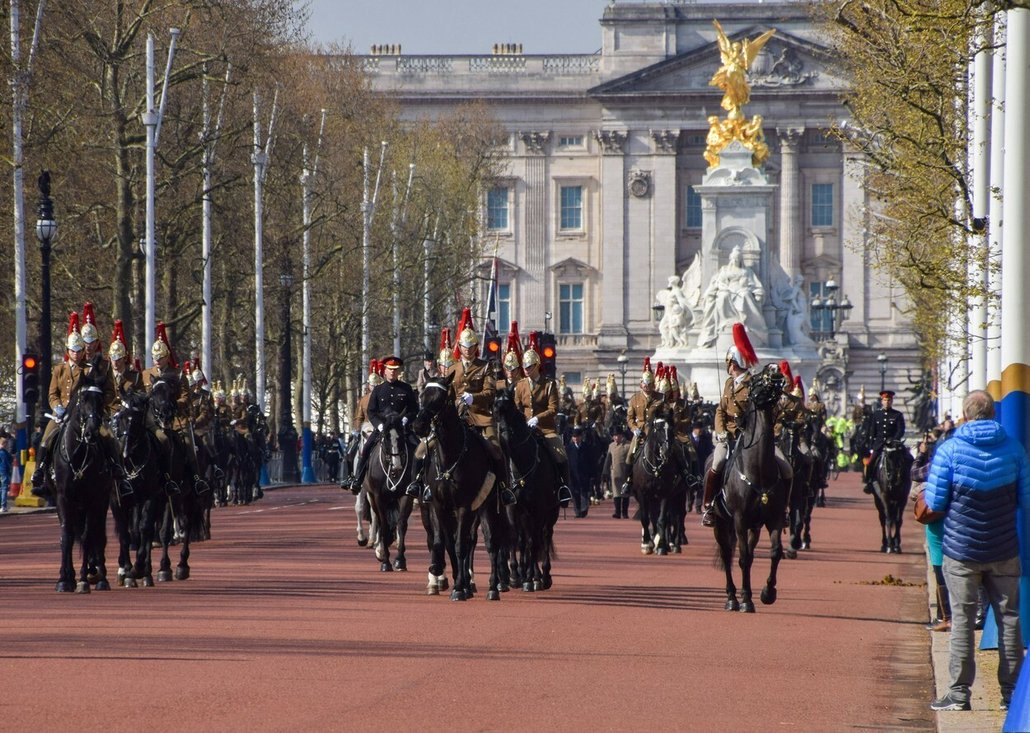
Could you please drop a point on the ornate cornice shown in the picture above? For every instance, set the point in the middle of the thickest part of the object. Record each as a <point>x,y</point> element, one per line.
<point>613,142</point>
<point>665,141</point>
<point>536,142</point>
<point>790,137</point>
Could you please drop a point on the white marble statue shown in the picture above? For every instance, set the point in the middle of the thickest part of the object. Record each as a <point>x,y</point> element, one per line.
<point>797,326</point>
<point>677,317</point>
<point>735,295</point>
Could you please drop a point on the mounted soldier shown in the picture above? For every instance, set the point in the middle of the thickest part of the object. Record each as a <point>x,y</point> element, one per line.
<point>127,379</point>
<point>166,371</point>
<point>391,401</point>
<point>885,425</point>
<point>512,361</point>
<point>360,425</point>
<point>64,385</point>
<point>537,396</point>
<point>638,416</point>
<point>682,427</point>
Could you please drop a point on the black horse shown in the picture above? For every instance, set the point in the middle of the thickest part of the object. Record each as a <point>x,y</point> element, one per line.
<point>462,476</point>
<point>659,488</point>
<point>184,510</point>
<point>82,484</point>
<point>533,474</point>
<point>389,473</point>
<point>796,450</point>
<point>135,516</point>
<point>753,495</point>
<point>890,493</point>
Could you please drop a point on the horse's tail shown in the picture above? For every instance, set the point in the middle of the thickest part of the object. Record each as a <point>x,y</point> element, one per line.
<point>194,509</point>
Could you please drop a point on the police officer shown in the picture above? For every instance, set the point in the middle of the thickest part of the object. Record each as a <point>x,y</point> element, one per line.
<point>886,424</point>
<point>391,401</point>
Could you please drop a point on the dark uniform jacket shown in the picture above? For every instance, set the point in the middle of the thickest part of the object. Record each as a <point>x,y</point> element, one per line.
<point>477,379</point>
<point>392,400</point>
<point>885,425</point>
<point>731,404</point>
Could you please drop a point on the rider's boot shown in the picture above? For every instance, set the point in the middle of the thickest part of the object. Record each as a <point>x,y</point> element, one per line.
<point>39,475</point>
<point>711,484</point>
<point>415,488</point>
<point>867,487</point>
<point>564,492</point>
<point>617,514</point>
<point>353,482</point>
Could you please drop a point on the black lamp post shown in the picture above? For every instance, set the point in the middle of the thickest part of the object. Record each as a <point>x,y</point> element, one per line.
<point>46,230</point>
<point>623,361</point>
<point>287,431</point>
<point>882,358</point>
<point>838,311</point>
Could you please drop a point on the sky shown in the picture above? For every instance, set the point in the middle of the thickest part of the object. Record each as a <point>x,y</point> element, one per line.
<point>459,26</point>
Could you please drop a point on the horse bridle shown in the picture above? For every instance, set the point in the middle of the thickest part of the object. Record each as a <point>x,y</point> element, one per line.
<point>84,441</point>
<point>434,425</point>
<point>663,454</point>
<point>132,469</point>
<point>514,478</point>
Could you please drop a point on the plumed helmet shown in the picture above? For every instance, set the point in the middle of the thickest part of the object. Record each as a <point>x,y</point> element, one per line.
<point>741,353</point>
<point>466,333</point>
<point>610,384</point>
<point>198,376</point>
<point>118,348</point>
<point>813,396</point>
<point>674,380</point>
<point>219,392</point>
<point>511,361</point>
<point>799,388</point>
<point>75,342</point>
<point>159,350</point>
<point>446,359</point>
<point>468,338</point>
<point>695,393</point>
<point>661,380</point>
<point>89,324</point>
<point>375,378</point>
<point>530,358</point>
<point>187,370</point>
<point>647,376</point>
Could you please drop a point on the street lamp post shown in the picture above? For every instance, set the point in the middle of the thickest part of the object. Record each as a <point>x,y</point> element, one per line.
<point>882,358</point>
<point>659,311</point>
<point>623,361</point>
<point>287,431</point>
<point>46,230</point>
<point>839,312</point>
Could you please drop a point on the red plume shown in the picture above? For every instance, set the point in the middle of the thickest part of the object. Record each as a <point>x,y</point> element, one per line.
<point>373,367</point>
<point>187,368</point>
<point>647,363</point>
<point>798,384</point>
<point>119,333</point>
<point>785,371</point>
<point>743,344</point>
<point>514,342</point>
<point>445,338</point>
<point>673,376</point>
<point>659,372</point>
<point>381,368</point>
<point>162,334</point>
<point>88,316</point>
<point>463,323</point>
<point>73,322</point>
<point>534,341</point>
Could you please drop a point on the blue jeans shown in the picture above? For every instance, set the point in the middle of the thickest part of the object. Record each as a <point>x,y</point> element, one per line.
<point>1001,579</point>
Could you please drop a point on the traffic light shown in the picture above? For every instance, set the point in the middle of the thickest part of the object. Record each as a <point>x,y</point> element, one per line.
<point>29,378</point>
<point>493,348</point>
<point>548,355</point>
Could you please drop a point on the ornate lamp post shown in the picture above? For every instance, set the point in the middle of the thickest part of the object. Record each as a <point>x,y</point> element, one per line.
<point>46,230</point>
<point>882,358</point>
<point>838,312</point>
<point>287,431</point>
<point>623,361</point>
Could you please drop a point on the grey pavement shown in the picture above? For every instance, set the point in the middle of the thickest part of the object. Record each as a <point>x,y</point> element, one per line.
<point>986,696</point>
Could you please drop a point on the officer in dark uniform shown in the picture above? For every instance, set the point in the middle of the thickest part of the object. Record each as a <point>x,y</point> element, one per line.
<point>886,424</point>
<point>390,401</point>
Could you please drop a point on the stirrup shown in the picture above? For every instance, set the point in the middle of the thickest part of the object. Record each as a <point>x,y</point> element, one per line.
<point>414,489</point>
<point>200,485</point>
<point>427,495</point>
<point>708,516</point>
<point>564,495</point>
<point>172,488</point>
<point>125,489</point>
<point>508,497</point>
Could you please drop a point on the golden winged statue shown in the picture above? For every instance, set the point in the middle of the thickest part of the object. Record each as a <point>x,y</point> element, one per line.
<point>731,77</point>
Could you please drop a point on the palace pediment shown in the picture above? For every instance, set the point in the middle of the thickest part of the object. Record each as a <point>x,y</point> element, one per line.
<point>787,62</point>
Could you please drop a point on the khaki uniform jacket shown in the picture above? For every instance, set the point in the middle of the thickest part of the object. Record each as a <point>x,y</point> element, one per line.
<point>590,413</point>
<point>156,374</point>
<point>683,422</point>
<point>640,409</point>
<point>125,383</point>
<point>790,410</point>
<point>539,400</point>
<point>476,379</point>
<point>731,405</point>
<point>360,413</point>
<point>66,379</point>
<point>223,416</point>
<point>203,410</point>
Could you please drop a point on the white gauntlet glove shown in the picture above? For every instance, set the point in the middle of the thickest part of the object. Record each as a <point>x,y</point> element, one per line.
<point>379,427</point>
<point>532,422</point>
<point>638,432</point>
<point>59,412</point>
<point>720,437</point>
<point>404,421</point>
<point>466,398</point>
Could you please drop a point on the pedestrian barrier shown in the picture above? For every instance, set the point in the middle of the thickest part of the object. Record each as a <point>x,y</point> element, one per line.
<point>26,497</point>
<point>1018,718</point>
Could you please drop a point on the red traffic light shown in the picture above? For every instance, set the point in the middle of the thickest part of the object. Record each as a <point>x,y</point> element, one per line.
<point>29,362</point>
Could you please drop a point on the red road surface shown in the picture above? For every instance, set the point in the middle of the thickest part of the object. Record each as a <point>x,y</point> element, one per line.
<point>286,624</point>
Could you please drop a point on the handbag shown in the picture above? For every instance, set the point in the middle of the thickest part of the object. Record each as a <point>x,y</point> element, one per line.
<point>923,513</point>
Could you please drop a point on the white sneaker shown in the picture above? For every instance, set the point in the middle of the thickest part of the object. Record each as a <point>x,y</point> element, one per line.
<point>3,510</point>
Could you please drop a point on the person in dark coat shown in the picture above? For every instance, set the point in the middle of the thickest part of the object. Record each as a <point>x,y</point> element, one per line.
<point>580,465</point>
<point>390,402</point>
<point>885,424</point>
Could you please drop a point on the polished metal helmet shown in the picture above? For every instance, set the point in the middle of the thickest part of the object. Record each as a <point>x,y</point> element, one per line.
<point>159,350</point>
<point>90,333</point>
<point>117,351</point>
<point>468,338</point>
<point>446,359</point>
<point>75,342</point>
<point>511,361</point>
<point>530,359</point>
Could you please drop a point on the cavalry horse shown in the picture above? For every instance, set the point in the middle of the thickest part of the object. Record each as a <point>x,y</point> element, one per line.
<point>461,474</point>
<point>82,484</point>
<point>753,494</point>
<point>890,493</point>
<point>798,455</point>
<point>389,473</point>
<point>184,510</point>
<point>135,516</point>
<point>533,474</point>
<point>659,488</point>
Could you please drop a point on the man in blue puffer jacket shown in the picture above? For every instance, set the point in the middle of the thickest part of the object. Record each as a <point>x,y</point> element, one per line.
<point>979,478</point>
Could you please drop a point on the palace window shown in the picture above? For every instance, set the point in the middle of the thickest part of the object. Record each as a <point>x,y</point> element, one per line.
<point>822,204</point>
<point>570,141</point>
<point>571,208</point>
<point>693,208</point>
<point>821,320</point>
<point>503,307</point>
<point>497,208</point>
<point>570,308</point>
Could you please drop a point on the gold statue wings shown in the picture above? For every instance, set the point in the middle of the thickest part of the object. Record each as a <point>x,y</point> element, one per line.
<point>746,50</point>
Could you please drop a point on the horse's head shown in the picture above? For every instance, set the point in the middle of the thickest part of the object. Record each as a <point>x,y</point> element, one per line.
<point>766,387</point>
<point>88,410</point>
<point>508,418</point>
<point>131,419</point>
<point>163,395</point>
<point>659,433</point>
<point>432,403</point>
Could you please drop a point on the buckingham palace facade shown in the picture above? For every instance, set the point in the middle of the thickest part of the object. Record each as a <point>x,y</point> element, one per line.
<point>596,207</point>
